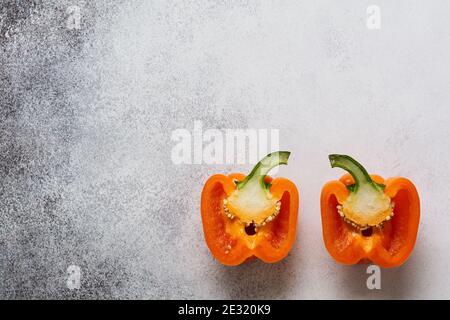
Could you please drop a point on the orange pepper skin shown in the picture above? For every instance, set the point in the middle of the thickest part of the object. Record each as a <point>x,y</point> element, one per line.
<point>227,239</point>
<point>389,246</point>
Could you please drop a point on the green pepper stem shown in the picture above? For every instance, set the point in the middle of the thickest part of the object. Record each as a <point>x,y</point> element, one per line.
<point>263,167</point>
<point>358,172</point>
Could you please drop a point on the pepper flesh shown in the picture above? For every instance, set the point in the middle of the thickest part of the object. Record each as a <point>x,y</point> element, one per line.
<point>229,239</point>
<point>390,243</point>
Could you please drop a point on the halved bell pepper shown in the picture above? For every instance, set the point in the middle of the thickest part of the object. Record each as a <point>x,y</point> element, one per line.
<point>254,215</point>
<point>366,218</point>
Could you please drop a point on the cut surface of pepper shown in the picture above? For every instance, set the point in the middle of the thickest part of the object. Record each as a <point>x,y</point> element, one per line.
<point>254,215</point>
<point>365,217</point>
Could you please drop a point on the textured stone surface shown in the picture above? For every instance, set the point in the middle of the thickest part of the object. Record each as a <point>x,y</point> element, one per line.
<point>86,119</point>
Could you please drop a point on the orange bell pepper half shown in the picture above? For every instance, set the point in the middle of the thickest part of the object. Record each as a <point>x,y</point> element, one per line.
<point>366,218</point>
<point>246,216</point>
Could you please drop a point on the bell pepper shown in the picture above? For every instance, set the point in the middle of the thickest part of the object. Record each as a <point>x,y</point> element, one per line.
<point>250,216</point>
<point>366,218</point>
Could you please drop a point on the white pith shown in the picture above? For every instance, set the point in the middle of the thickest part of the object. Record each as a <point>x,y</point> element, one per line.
<point>367,208</point>
<point>252,205</point>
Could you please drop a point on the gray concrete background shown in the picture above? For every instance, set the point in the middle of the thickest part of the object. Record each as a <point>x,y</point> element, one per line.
<point>86,118</point>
